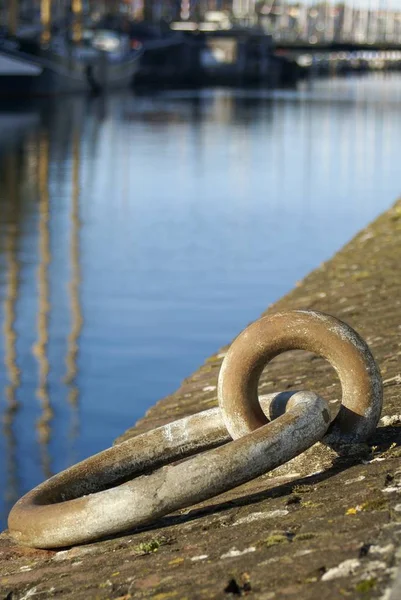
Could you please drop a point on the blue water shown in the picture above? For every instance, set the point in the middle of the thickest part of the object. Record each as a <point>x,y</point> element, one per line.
<point>138,234</point>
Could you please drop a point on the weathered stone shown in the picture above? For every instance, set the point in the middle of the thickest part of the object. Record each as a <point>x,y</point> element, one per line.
<point>325,512</point>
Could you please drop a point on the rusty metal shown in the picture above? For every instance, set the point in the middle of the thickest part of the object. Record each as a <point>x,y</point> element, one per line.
<point>69,508</point>
<point>309,330</point>
<point>93,498</point>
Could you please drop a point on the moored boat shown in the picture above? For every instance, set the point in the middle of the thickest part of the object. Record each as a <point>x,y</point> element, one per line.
<point>65,56</point>
<point>63,67</point>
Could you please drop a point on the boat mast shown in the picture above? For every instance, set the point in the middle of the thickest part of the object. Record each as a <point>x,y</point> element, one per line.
<point>76,7</point>
<point>13,11</point>
<point>45,18</point>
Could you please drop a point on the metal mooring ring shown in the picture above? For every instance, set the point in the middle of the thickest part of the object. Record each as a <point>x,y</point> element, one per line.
<point>317,332</point>
<point>65,510</point>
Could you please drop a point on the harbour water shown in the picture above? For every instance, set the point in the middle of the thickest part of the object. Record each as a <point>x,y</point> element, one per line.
<point>138,234</point>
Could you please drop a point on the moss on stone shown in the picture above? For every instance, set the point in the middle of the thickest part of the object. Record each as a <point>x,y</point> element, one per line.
<point>365,586</point>
<point>276,538</point>
<point>149,547</point>
<point>375,504</point>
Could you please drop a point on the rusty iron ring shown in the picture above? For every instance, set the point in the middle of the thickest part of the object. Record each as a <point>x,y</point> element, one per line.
<point>322,334</point>
<point>65,510</point>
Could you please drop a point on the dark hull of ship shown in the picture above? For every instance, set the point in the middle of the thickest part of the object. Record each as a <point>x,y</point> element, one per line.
<point>50,77</point>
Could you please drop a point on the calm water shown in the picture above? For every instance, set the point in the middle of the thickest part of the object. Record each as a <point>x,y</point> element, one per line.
<point>140,234</point>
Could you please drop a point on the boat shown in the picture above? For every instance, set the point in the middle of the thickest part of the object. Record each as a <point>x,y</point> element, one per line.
<point>51,59</point>
<point>62,67</point>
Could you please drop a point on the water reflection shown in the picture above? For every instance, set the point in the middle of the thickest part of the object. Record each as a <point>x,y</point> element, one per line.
<point>139,234</point>
<point>75,301</point>
<point>12,484</point>
<point>40,349</point>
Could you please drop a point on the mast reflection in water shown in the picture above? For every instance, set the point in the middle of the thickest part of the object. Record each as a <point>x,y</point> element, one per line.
<point>12,487</point>
<point>140,234</point>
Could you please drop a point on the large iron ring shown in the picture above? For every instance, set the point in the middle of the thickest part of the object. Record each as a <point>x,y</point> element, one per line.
<point>69,508</point>
<point>317,332</point>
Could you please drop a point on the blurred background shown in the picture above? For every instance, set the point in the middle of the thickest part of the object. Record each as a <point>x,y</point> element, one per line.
<point>168,170</point>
